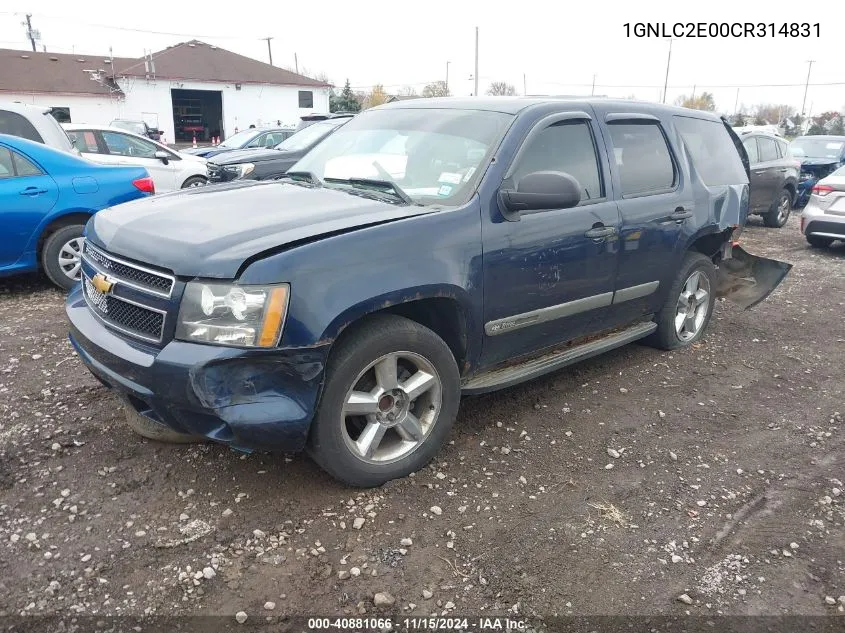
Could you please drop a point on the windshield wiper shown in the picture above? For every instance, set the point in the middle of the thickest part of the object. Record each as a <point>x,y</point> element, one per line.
<point>379,185</point>
<point>307,175</point>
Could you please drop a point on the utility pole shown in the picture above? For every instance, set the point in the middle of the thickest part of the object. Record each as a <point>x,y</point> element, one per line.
<point>593,91</point>
<point>807,85</point>
<point>269,50</point>
<point>476,61</point>
<point>30,33</point>
<point>447,78</point>
<point>666,81</point>
<point>524,85</point>
<point>736,103</point>
<point>296,63</point>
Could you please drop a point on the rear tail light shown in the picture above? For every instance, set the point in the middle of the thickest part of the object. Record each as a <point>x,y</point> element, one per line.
<point>145,184</point>
<point>822,190</point>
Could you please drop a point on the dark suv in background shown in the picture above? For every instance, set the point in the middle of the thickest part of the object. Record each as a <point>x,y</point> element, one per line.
<point>137,127</point>
<point>774,177</point>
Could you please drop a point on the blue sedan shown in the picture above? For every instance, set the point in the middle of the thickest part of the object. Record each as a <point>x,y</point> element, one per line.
<point>46,197</point>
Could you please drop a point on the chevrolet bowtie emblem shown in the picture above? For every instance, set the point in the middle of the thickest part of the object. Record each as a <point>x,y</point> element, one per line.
<point>101,283</point>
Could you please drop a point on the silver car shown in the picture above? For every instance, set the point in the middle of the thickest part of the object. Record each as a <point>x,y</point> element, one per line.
<point>823,219</point>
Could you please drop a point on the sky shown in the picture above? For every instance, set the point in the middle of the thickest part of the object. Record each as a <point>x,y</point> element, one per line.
<point>538,46</point>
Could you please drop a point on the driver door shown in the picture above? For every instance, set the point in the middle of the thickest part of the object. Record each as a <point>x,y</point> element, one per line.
<point>131,150</point>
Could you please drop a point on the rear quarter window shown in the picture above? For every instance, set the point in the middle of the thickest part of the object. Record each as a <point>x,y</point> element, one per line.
<point>17,125</point>
<point>713,153</point>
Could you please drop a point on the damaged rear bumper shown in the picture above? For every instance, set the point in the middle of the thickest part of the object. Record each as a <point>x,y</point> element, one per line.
<point>247,399</point>
<point>747,279</point>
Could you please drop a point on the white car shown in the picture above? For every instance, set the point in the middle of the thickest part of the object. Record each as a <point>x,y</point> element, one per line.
<point>34,123</point>
<point>169,169</point>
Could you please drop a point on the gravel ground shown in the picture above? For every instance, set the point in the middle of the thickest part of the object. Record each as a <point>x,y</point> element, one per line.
<point>701,482</point>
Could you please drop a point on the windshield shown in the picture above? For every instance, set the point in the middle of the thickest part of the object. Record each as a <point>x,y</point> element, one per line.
<point>240,139</point>
<point>435,155</point>
<point>308,136</point>
<point>817,148</point>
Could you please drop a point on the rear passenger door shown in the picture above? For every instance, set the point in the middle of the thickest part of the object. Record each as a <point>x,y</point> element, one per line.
<point>653,205</point>
<point>548,277</point>
<point>766,174</point>
<point>758,175</point>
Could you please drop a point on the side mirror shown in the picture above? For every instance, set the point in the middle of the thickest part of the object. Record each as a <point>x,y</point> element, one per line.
<point>163,156</point>
<point>539,191</point>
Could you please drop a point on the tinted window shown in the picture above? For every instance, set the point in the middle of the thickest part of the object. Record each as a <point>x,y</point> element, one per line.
<point>568,147</point>
<point>750,145</point>
<point>84,141</point>
<point>783,149</point>
<point>713,152</point>
<point>16,125</point>
<point>123,145</point>
<point>768,150</point>
<point>6,168</point>
<point>25,167</point>
<point>306,99</point>
<point>642,158</point>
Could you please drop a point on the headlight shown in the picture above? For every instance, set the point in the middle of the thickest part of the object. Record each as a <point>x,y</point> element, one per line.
<point>227,314</point>
<point>240,170</point>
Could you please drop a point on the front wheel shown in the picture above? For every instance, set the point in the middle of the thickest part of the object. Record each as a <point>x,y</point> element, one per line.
<point>684,317</point>
<point>194,181</point>
<point>61,255</point>
<point>779,214</point>
<point>391,396</point>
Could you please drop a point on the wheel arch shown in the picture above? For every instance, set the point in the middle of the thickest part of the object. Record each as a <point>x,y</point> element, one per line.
<point>68,218</point>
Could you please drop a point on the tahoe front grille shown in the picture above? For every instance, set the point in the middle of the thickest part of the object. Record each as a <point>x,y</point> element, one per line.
<point>124,315</point>
<point>139,277</point>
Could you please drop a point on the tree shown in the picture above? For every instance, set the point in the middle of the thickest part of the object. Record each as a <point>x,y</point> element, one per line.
<point>827,123</point>
<point>436,89</point>
<point>501,88</point>
<point>407,91</point>
<point>345,101</point>
<point>737,120</point>
<point>704,101</point>
<point>376,96</point>
<point>772,114</point>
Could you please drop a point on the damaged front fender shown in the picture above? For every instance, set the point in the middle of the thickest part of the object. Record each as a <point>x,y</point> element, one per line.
<point>747,279</point>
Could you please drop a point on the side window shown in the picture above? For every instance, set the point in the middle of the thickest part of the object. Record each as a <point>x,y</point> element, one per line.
<point>783,147</point>
<point>258,141</point>
<point>84,141</point>
<point>713,151</point>
<point>6,168</point>
<point>16,125</point>
<point>642,157</point>
<point>306,99</point>
<point>25,167</point>
<point>124,145</point>
<point>751,148</point>
<point>768,151</point>
<point>569,147</point>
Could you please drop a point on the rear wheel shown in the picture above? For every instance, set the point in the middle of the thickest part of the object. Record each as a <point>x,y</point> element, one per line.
<point>689,304</point>
<point>779,213</point>
<point>816,241</point>
<point>391,397</point>
<point>61,256</point>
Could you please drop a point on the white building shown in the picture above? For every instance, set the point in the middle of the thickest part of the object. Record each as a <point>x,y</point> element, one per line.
<point>188,89</point>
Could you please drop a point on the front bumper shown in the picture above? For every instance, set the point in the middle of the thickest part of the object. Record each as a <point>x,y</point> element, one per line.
<point>248,399</point>
<point>822,222</point>
<point>216,173</point>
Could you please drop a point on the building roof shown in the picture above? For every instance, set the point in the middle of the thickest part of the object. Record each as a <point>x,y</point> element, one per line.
<point>198,61</point>
<point>402,98</point>
<point>28,72</point>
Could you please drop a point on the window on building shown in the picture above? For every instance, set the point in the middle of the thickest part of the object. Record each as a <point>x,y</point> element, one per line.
<point>61,114</point>
<point>306,99</point>
<point>16,125</point>
<point>569,147</point>
<point>644,160</point>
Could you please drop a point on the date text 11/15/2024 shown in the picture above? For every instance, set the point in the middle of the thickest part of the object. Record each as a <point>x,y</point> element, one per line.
<point>418,624</point>
<point>681,30</point>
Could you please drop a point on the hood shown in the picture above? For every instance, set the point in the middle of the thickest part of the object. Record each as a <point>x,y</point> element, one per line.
<point>253,156</point>
<point>211,231</point>
<point>197,151</point>
<point>191,157</point>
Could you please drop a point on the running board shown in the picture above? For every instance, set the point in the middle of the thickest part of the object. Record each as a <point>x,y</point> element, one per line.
<point>513,375</point>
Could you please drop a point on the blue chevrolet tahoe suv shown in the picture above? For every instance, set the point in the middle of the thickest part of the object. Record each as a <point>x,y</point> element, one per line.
<point>428,249</point>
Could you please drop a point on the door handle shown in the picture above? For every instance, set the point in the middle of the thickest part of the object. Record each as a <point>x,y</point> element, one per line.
<point>680,215</point>
<point>32,191</point>
<point>600,232</point>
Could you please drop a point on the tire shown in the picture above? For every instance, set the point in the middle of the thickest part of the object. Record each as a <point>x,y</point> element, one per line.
<point>817,241</point>
<point>60,266</point>
<point>337,437</point>
<point>667,336</point>
<point>779,213</point>
<point>151,430</point>
<point>194,181</point>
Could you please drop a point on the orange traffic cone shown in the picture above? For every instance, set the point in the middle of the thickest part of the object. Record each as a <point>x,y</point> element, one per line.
<point>195,140</point>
